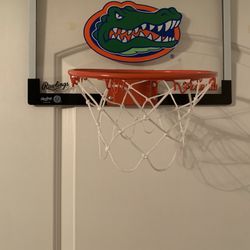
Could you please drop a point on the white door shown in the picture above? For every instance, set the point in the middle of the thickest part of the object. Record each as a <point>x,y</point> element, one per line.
<point>202,202</point>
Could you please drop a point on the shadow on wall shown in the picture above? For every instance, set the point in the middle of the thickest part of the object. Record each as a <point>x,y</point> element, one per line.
<point>217,148</point>
<point>218,143</point>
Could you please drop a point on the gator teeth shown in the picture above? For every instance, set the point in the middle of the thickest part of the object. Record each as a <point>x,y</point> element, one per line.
<point>163,27</point>
<point>151,27</point>
<point>173,24</point>
<point>158,39</point>
<point>167,25</point>
<point>150,37</point>
<point>159,27</point>
<point>141,34</point>
<point>166,39</point>
<point>124,40</point>
<point>177,23</point>
<point>169,39</point>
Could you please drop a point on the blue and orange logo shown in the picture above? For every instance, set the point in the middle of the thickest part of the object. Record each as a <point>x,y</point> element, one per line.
<point>130,32</point>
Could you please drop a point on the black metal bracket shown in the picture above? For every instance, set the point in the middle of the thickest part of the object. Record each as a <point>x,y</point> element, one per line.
<point>35,97</point>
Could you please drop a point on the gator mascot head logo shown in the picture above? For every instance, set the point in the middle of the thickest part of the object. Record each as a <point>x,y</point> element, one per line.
<point>130,32</point>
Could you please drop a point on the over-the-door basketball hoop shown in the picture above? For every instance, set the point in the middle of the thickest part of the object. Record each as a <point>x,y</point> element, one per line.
<point>145,90</point>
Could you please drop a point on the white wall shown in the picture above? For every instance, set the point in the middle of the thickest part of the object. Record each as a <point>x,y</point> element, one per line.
<point>26,145</point>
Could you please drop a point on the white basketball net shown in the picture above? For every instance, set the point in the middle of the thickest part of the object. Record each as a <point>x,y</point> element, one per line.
<point>119,124</point>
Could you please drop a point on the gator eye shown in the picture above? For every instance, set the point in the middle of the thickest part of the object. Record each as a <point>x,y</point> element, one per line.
<point>118,16</point>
